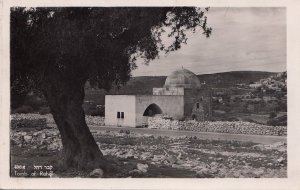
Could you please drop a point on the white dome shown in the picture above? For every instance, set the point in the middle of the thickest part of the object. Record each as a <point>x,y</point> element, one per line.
<point>182,78</point>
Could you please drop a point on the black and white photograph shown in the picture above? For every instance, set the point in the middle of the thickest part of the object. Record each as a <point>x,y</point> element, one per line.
<point>117,92</point>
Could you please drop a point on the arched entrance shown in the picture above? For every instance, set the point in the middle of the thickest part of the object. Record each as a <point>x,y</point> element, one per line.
<point>152,110</point>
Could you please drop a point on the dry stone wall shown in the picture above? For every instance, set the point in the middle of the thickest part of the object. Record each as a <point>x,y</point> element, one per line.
<point>90,120</point>
<point>235,127</point>
<point>46,139</point>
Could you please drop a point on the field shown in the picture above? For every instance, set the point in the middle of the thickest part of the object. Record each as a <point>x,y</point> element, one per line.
<point>136,155</point>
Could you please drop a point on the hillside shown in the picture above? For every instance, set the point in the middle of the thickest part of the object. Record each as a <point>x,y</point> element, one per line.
<point>144,84</point>
<point>230,79</point>
<point>236,95</point>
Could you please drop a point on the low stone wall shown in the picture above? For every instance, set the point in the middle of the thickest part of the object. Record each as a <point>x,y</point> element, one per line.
<point>28,123</point>
<point>46,139</point>
<point>33,116</point>
<point>234,127</point>
<point>43,139</point>
<point>90,120</point>
<point>94,120</point>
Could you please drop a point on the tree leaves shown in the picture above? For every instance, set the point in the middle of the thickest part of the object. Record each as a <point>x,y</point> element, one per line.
<point>102,45</point>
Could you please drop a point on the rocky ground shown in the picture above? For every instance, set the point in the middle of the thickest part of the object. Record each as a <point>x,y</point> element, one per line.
<point>136,155</point>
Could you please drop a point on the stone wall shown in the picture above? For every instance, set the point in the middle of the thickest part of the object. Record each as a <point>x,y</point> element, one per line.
<point>33,116</point>
<point>194,96</point>
<point>46,139</point>
<point>168,91</point>
<point>90,120</point>
<point>235,127</point>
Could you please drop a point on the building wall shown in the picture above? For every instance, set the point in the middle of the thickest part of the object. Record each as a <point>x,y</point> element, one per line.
<point>168,91</point>
<point>194,96</point>
<point>120,103</point>
<point>170,105</point>
<point>176,106</point>
<point>198,112</point>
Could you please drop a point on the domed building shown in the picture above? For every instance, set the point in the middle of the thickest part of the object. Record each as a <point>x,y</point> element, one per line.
<point>182,79</point>
<point>181,98</point>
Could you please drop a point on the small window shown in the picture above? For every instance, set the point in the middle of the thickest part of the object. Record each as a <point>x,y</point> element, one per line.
<point>198,105</point>
<point>122,115</point>
<point>118,115</point>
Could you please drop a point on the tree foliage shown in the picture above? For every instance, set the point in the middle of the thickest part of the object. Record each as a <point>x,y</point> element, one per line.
<point>96,44</point>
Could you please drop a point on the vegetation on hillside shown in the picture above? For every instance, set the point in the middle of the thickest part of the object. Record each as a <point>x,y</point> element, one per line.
<point>233,98</point>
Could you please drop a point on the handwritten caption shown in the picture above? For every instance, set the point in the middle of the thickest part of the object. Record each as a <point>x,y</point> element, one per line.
<point>38,170</point>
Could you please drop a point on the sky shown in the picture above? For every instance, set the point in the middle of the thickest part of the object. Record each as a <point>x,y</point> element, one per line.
<point>243,39</point>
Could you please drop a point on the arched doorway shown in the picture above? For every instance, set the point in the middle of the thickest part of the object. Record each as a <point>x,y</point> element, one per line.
<point>152,110</point>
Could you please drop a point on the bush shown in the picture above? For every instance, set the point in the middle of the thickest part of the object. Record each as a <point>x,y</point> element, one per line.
<point>232,119</point>
<point>28,123</point>
<point>35,100</point>
<point>272,115</point>
<point>44,110</point>
<point>23,109</point>
<point>95,111</point>
<point>279,121</point>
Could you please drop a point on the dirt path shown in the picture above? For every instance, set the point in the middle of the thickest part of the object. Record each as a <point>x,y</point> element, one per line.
<point>262,139</point>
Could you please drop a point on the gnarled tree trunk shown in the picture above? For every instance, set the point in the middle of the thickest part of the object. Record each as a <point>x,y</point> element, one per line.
<point>79,147</point>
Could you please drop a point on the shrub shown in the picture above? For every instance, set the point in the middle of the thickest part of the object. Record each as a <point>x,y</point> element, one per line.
<point>44,110</point>
<point>94,110</point>
<point>142,126</point>
<point>28,123</point>
<point>35,101</point>
<point>272,115</point>
<point>23,109</point>
<point>250,120</point>
<point>279,121</point>
<point>232,119</point>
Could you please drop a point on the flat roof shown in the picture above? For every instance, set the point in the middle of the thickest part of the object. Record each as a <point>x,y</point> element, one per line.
<point>145,95</point>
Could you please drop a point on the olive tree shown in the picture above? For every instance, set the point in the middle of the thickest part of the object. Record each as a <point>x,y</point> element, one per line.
<point>57,50</point>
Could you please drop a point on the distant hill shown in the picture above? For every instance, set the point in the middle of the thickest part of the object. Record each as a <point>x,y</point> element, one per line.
<point>144,84</point>
<point>233,96</point>
<point>229,79</point>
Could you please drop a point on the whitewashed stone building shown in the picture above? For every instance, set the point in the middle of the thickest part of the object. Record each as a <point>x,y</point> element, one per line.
<point>180,98</point>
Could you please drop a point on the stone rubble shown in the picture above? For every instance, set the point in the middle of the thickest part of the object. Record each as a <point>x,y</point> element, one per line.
<point>279,146</point>
<point>205,162</point>
<point>97,173</point>
<point>142,167</point>
<point>46,139</point>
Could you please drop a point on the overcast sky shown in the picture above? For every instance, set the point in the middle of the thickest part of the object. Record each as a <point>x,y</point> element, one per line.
<point>243,39</point>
